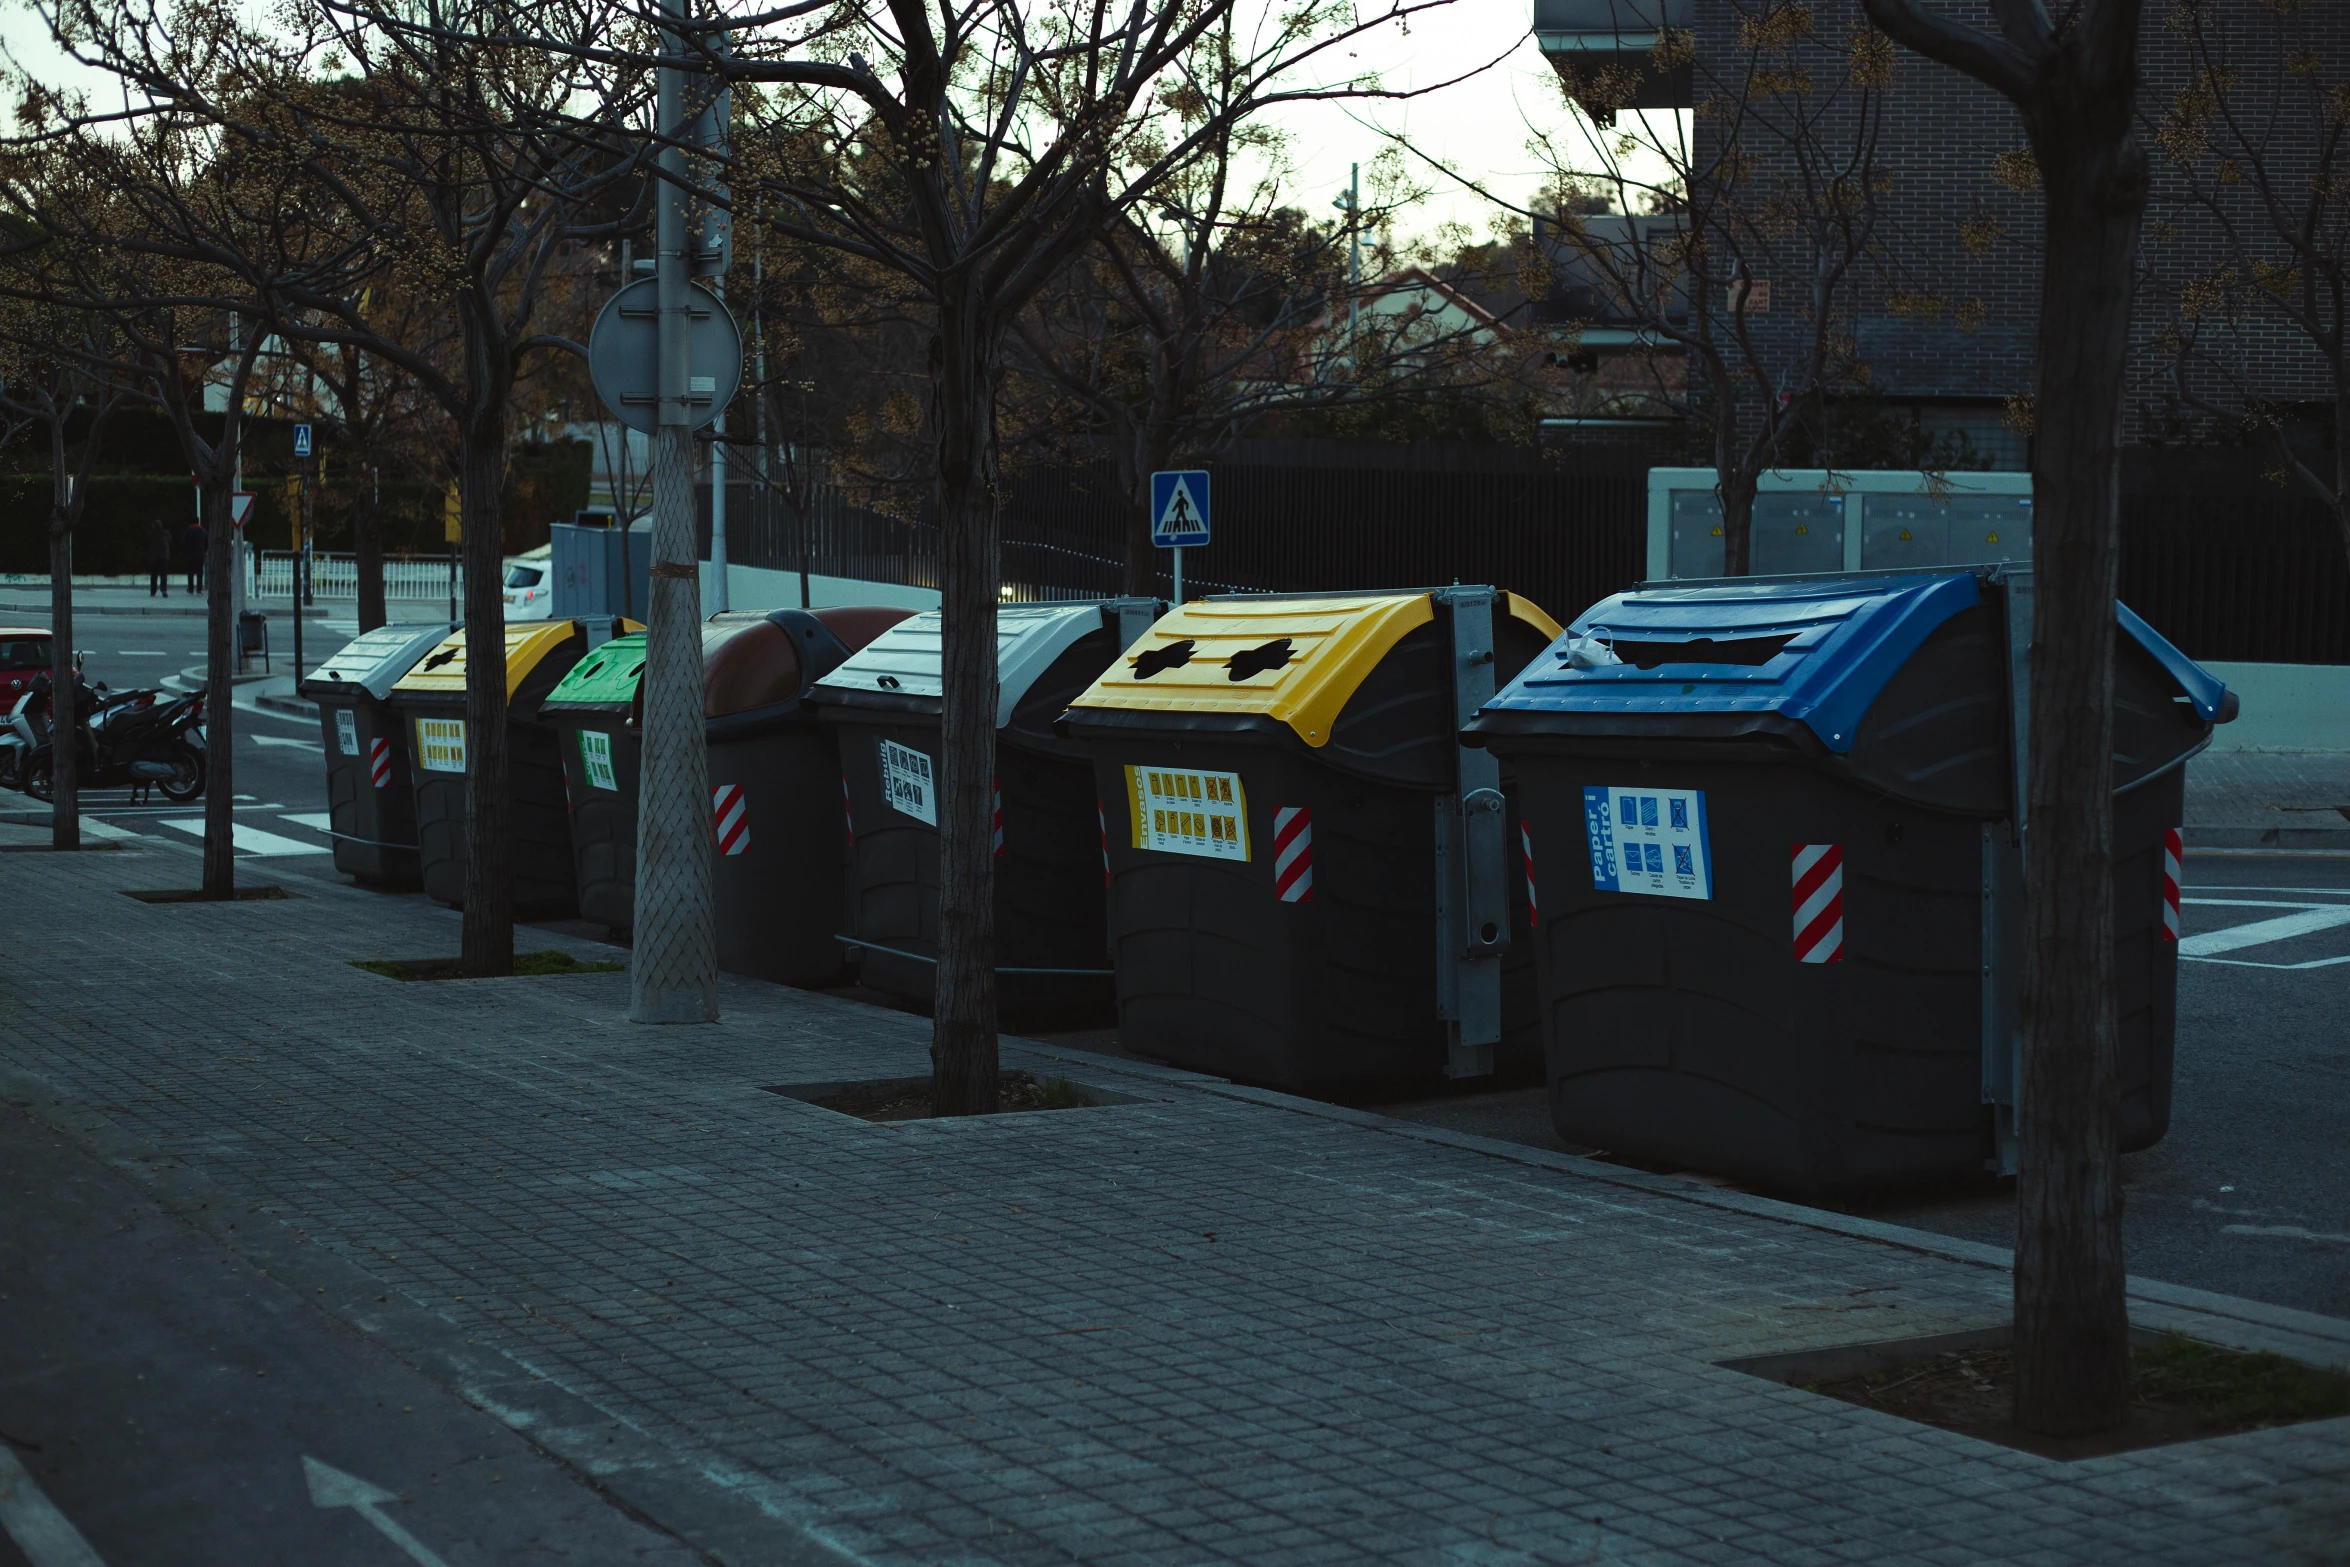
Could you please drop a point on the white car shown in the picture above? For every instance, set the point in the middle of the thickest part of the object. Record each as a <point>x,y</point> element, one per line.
<point>530,585</point>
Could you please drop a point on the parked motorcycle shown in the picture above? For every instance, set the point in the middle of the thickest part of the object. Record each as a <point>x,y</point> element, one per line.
<point>133,740</point>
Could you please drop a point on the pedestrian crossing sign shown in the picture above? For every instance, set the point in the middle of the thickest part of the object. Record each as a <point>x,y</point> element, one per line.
<point>1179,508</point>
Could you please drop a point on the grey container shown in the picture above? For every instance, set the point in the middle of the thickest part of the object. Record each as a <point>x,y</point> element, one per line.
<point>371,801</point>
<point>1777,872</point>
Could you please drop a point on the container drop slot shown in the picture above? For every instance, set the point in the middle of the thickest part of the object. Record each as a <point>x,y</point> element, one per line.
<point>1702,650</point>
<point>1256,660</point>
<point>1173,656</point>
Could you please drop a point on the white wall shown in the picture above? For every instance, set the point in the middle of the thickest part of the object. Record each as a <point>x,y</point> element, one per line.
<point>756,588</point>
<point>2286,707</point>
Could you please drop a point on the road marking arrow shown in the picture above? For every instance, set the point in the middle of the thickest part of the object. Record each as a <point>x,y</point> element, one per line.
<point>45,1535</point>
<point>330,1487</point>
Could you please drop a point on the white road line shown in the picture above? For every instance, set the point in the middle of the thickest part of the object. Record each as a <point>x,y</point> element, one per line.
<point>133,652</point>
<point>2289,1231</point>
<point>2261,932</point>
<point>2257,903</point>
<point>2307,892</point>
<point>316,821</point>
<point>45,1535</point>
<point>2252,963</point>
<point>250,839</point>
<point>314,746</point>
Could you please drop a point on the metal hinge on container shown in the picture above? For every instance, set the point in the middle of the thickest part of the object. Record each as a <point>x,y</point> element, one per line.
<point>1472,865</point>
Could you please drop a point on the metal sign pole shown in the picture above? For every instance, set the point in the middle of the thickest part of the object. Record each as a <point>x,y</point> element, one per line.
<point>674,978</point>
<point>1179,574</point>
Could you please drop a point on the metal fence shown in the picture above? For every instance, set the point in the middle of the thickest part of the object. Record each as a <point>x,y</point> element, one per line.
<point>270,574</point>
<point>1564,540</point>
<point>2245,570</point>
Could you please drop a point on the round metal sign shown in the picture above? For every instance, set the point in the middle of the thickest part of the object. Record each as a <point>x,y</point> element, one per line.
<point>623,355</point>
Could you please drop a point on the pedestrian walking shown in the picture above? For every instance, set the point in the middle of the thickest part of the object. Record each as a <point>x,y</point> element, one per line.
<point>158,559</point>
<point>194,543</point>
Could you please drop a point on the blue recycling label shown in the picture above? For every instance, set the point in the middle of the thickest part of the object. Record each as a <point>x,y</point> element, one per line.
<point>1648,841</point>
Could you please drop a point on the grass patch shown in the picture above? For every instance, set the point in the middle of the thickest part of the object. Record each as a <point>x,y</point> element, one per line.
<point>2234,1388</point>
<point>527,965</point>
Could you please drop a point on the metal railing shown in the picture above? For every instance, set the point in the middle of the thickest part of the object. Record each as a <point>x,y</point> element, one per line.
<point>270,574</point>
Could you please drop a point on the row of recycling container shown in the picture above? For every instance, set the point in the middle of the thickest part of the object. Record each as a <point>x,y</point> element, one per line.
<point>1732,866</point>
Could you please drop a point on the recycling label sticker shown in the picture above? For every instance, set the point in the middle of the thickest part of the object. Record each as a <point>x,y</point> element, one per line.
<point>1649,841</point>
<point>595,755</point>
<point>346,731</point>
<point>1180,812</point>
<point>908,782</point>
<point>440,745</point>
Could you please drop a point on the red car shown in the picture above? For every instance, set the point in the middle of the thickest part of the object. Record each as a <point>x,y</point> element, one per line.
<point>24,653</point>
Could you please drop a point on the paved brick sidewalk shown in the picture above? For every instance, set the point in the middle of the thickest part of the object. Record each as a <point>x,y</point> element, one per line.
<point>1205,1325</point>
<point>2269,799</point>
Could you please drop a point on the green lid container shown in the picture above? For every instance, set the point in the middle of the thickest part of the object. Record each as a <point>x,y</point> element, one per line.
<point>603,682</point>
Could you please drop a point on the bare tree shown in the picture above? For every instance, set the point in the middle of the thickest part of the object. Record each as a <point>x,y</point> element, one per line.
<point>56,364</point>
<point>2258,143</point>
<point>1741,237</point>
<point>980,149</point>
<point>2071,70</point>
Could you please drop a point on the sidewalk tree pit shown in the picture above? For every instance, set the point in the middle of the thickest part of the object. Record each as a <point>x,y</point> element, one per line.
<point>891,1099</point>
<point>2181,1389</point>
<point>527,965</point>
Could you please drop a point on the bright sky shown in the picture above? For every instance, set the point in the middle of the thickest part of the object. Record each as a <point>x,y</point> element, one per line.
<point>1478,125</point>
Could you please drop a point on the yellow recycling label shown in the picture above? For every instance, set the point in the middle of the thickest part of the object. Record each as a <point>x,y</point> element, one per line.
<point>440,744</point>
<point>1180,812</point>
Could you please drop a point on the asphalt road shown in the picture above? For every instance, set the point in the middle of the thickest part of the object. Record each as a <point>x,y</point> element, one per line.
<point>2249,1193</point>
<point>280,783</point>
<point>162,1402</point>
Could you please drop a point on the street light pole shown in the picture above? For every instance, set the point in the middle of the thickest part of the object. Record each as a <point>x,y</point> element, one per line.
<point>674,976</point>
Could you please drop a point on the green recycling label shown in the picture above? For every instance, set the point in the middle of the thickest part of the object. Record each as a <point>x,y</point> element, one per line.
<point>595,753</point>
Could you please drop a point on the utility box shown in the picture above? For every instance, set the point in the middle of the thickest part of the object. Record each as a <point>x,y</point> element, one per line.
<point>1312,885</point>
<point>1777,859</point>
<point>430,700</point>
<point>601,571</point>
<point>882,707</point>
<point>370,797</point>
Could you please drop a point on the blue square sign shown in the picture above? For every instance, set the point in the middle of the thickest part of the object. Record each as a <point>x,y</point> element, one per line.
<point>1179,508</point>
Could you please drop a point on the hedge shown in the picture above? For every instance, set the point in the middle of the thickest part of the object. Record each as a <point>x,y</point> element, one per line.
<point>545,481</point>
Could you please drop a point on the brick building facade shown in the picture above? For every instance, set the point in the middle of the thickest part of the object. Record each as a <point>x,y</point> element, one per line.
<point>1945,316</point>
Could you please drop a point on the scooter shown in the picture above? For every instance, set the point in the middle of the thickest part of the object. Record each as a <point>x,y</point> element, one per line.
<point>138,740</point>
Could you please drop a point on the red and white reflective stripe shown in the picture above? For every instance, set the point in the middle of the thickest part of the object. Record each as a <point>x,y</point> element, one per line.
<point>2174,855</point>
<point>999,819</point>
<point>848,813</point>
<point>1533,905</point>
<point>1101,814</point>
<point>730,818</point>
<point>1293,854</point>
<point>1819,902</point>
<point>379,761</point>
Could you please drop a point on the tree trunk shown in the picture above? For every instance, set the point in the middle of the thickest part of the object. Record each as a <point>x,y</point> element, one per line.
<point>1734,483</point>
<point>367,544</point>
<point>65,763</point>
<point>487,944</point>
<point>220,776</point>
<point>963,1077</point>
<point>673,977</point>
<point>2071,1316</point>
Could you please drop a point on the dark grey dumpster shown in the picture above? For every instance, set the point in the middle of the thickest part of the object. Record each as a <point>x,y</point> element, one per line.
<point>370,799</point>
<point>1777,873</point>
<point>882,707</point>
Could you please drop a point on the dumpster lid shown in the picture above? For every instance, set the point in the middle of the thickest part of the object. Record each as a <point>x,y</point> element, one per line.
<point>1028,638</point>
<point>1815,650</point>
<point>1296,660</point>
<point>442,673</point>
<point>603,682</point>
<point>373,660</point>
<point>2206,692</point>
